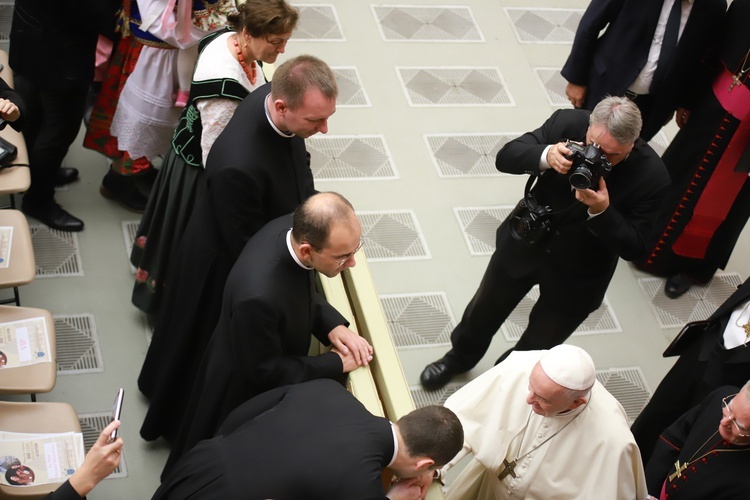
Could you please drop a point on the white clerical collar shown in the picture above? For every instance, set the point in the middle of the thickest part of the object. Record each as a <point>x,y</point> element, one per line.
<point>268,116</point>
<point>292,252</point>
<point>395,446</point>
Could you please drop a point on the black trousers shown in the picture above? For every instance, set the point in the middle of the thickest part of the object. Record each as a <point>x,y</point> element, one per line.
<point>53,120</point>
<point>497,296</point>
<point>684,386</point>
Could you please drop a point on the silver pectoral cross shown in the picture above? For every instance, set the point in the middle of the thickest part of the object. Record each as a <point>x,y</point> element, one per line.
<point>735,82</point>
<point>508,469</point>
<point>677,470</point>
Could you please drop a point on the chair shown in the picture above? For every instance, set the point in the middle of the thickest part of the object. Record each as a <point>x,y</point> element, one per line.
<point>36,378</point>
<point>35,418</point>
<point>16,179</point>
<point>20,265</point>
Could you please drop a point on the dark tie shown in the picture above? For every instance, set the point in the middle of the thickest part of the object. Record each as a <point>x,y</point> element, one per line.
<point>668,45</point>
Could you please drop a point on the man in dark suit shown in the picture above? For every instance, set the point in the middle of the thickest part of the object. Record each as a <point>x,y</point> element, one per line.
<point>706,452</point>
<point>716,355</point>
<point>269,310</point>
<point>54,91</point>
<point>314,441</point>
<point>258,170</point>
<point>574,259</point>
<point>642,54</point>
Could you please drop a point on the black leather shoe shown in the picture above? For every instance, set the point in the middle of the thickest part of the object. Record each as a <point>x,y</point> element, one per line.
<point>53,215</point>
<point>122,189</point>
<point>65,175</point>
<point>437,374</point>
<point>677,285</point>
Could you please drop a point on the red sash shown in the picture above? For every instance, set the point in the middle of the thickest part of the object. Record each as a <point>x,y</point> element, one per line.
<point>725,184</point>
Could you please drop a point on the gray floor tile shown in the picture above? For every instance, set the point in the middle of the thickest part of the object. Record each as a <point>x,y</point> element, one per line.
<point>392,235</point>
<point>535,25</point>
<point>418,319</point>
<point>454,86</point>
<point>56,252</point>
<point>342,157</point>
<point>78,348</point>
<point>318,22</point>
<point>426,23</point>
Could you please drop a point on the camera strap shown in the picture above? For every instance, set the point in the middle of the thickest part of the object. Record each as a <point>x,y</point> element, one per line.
<point>527,193</point>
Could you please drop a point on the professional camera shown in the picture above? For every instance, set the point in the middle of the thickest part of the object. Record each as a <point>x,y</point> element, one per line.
<point>529,221</point>
<point>589,164</point>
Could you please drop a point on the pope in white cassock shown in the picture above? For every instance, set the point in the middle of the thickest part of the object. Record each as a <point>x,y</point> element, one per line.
<point>541,427</point>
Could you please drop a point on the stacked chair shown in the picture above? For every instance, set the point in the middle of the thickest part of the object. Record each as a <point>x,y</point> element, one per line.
<point>18,268</point>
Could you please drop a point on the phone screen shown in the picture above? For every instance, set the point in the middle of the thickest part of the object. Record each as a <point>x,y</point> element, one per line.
<point>116,412</point>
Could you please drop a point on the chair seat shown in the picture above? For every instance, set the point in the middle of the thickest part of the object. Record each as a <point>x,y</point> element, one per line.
<point>30,379</point>
<point>21,265</point>
<point>35,418</point>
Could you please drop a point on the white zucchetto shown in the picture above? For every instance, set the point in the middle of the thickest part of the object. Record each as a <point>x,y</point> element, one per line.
<point>569,366</point>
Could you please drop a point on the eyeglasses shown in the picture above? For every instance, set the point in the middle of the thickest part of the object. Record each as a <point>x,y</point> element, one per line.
<point>277,42</point>
<point>730,415</point>
<point>341,261</point>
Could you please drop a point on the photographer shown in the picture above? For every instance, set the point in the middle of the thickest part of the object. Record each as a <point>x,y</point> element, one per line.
<point>570,241</point>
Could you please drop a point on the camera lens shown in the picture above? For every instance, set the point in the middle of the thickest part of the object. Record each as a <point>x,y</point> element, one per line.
<point>581,178</point>
<point>519,228</point>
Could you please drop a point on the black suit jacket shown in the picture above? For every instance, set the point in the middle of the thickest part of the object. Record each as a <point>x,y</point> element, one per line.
<point>270,309</point>
<point>578,258</point>
<point>312,440</point>
<point>714,333</point>
<point>610,63</point>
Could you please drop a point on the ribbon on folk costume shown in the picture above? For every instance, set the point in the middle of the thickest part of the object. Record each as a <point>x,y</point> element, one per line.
<point>182,20</point>
<point>725,184</point>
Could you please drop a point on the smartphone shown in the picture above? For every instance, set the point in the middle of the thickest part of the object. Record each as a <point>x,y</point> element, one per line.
<point>116,411</point>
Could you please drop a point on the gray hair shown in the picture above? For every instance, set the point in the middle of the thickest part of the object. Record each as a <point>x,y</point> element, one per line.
<point>620,116</point>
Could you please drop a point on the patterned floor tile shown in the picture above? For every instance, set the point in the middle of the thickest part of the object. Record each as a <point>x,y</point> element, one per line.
<point>426,23</point>
<point>479,224</point>
<point>351,91</point>
<point>628,386</point>
<point>603,320</point>
<point>454,86</point>
<point>92,425</point>
<point>392,235</point>
<point>697,304</point>
<point>544,25</point>
<point>57,253</point>
<point>424,398</point>
<point>466,155</point>
<point>418,320</point>
<point>554,86</point>
<point>129,230</point>
<point>350,157</point>
<point>77,344</point>
<point>659,143</point>
<point>318,22</point>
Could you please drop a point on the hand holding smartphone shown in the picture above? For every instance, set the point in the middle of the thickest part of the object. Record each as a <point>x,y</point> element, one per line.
<point>116,412</point>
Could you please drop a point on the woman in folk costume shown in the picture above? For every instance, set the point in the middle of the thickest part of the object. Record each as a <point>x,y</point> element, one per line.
<point>229,67</point>
<point>134,115</point>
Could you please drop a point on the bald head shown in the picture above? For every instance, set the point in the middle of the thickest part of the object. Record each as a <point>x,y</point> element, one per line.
<point>314,218</point>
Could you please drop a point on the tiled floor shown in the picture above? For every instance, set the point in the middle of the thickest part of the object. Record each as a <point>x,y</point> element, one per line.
<point>429,93</point>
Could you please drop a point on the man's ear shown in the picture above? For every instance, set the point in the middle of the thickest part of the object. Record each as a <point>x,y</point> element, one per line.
<point>577,402</point>
<point>305,251</point>
<point>423,464</point>
<point>280,106</point>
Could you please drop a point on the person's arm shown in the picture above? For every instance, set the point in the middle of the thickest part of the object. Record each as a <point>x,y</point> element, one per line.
<point>100,461</point>
<point>627,230</point>
<point>215,114</point>
<point>259,353</point>
<point>598,14</point>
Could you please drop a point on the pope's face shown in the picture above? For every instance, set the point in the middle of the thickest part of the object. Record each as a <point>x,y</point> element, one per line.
<point>545,396</point>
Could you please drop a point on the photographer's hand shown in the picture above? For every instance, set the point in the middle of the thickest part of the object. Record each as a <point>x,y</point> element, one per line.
<point>557,158</point>
<point>597,201</point>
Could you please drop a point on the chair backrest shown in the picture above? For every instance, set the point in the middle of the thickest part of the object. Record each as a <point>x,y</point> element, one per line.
<point>35,418</point>
<point>20,268</point>
<point>33,378</point>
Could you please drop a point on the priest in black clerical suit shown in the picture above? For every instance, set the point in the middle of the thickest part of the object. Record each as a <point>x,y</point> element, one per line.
<point>257,170</point>
<point>704,365</point>
<point>269,310</point>
<point>312,441</point>
<point>710,449</point>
